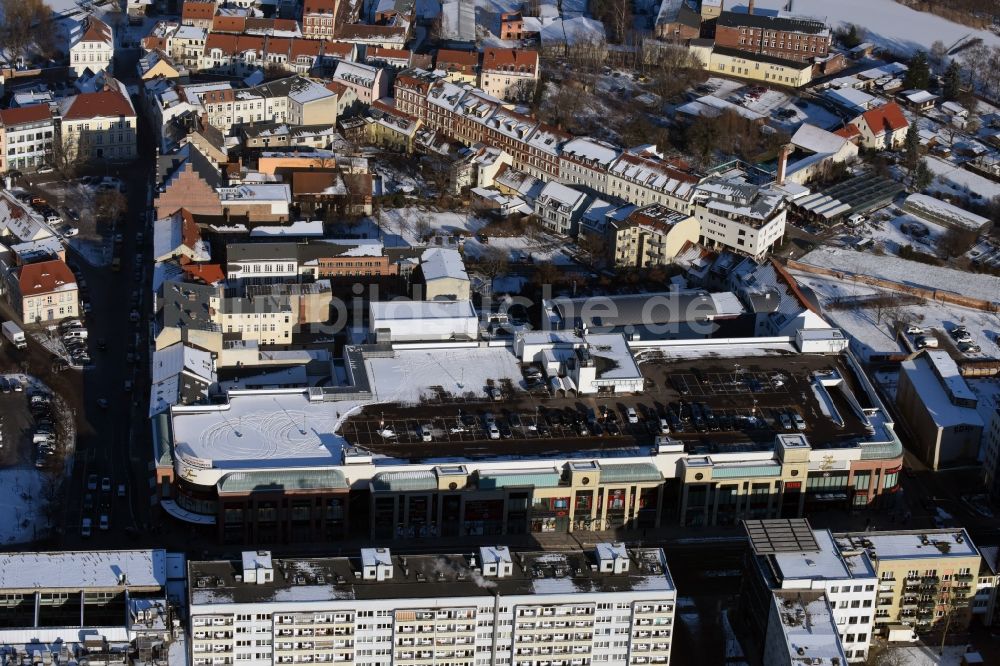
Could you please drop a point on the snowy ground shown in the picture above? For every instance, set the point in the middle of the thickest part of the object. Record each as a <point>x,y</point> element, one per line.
<point>923,655</point>
<point>22,503</point>
<point>953,179</point>
<point>986,287</point>
<point>400,224</point>
<point>544,248</point>
<point>894,233</point>
<point>872,335</point>
<point>886,23</point>
<point>409,376</point>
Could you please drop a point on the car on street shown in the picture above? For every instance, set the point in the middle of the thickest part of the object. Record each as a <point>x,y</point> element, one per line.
<point>121,490</point>
<point>800,423</point>
<point>426,432</point>
<point>457,428</point>
<point>86,528</point>
<point>104,523</point>
<point>92,482</point>
<point>786,421</point>
<point>493,431</point>
<point>631,415</point>
<point>88,502</point>
<point>102,403</point>
<point>106,485</point>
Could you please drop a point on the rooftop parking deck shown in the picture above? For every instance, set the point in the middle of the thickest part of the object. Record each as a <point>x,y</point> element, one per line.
<point>709,404</point>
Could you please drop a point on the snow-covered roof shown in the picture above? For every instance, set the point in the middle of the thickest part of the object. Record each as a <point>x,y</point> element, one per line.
<point>935,210</point>
<point>76,570</point>
<point>918,96</point>
<point>297,228</point>
<point>178,358</point>
<point>259,430</point>
<point>851,98</point>
<point>817,140</point>
<point>562,194</point>
<point>406,310</point>
<point>441,263</point>
<point>591,151</point>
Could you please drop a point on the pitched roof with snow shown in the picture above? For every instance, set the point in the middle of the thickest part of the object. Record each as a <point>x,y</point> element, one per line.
<point>440,263</point>
<point>816,140</point>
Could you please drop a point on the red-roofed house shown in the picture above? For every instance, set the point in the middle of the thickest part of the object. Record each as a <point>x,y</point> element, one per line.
<point>458,66</point>
<point>46,291</point>
<point>319,19</point>
<point>94,49</point>
<point>25,137</point>
<point>882,127</point>
<point>509,74</point>
<point>198,13</point>
<point>99,125</point>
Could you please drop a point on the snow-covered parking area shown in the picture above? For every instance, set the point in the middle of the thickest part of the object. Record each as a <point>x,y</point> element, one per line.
<point>22,503</point>
<point>873,331</point>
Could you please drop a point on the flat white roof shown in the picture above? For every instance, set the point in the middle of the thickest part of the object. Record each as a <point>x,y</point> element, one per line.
<point>83,569</point>
<point>826,564</point>
<point>261,430</point>
<point>910,544</point>
<point>809,628</point>
<point>405,310</point>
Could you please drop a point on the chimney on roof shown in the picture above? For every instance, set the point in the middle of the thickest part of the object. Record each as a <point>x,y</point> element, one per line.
<point>750,7</point>
<point>783,154</point>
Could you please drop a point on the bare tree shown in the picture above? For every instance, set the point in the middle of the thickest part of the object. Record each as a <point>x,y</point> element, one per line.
<point>110,205</point>
<point>65,158</point>
<point>493,263</point>
<point>422,226</point>
<point>26,24</point>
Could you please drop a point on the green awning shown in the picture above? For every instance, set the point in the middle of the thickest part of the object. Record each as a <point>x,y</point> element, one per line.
<point>271,481</point>
<point>737,471</point>
<point>404,481</point>
<point>548,477</point>
<point>629,473</point>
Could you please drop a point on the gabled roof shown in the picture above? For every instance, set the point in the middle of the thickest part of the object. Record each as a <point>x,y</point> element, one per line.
<point>103,104</point>
<point>768,22</point>
<point>96,31</point>
<point>510,60</point>
<point>46,277</point>
<point>886,118</point>
<point>210,274</point>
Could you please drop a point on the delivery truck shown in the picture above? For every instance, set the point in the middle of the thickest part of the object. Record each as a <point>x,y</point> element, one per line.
<point>14,335</point>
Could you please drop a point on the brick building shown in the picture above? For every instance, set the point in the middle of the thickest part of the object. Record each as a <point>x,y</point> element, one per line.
<point>789,37</point>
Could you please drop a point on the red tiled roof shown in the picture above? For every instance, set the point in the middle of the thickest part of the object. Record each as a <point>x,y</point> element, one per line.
<point>197,9</point>
<point>25,114</point>
<point>305,47</point>
<point>848,132</point>
<point>886,118</point>
<point>97,31</point>
<point>190,234</point>
<point>99,105</point>
<point>379,53</point>
<point>337,87</point>
<point>207,273</point>
<point>338,49</point>
<point>512,59</point>
<point>229,24</point>
<point>319,7</point>
<point>45,277</point>
<point>459,60</point>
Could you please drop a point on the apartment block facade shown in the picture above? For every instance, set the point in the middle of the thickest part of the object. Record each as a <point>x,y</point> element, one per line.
<point>609,605</point>
<point>788,37</point>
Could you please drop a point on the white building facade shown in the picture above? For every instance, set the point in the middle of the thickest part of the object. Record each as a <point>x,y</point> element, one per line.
<point>612,606</point>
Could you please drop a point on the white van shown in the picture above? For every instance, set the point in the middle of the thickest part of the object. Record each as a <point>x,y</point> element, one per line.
<point>75,334</point>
